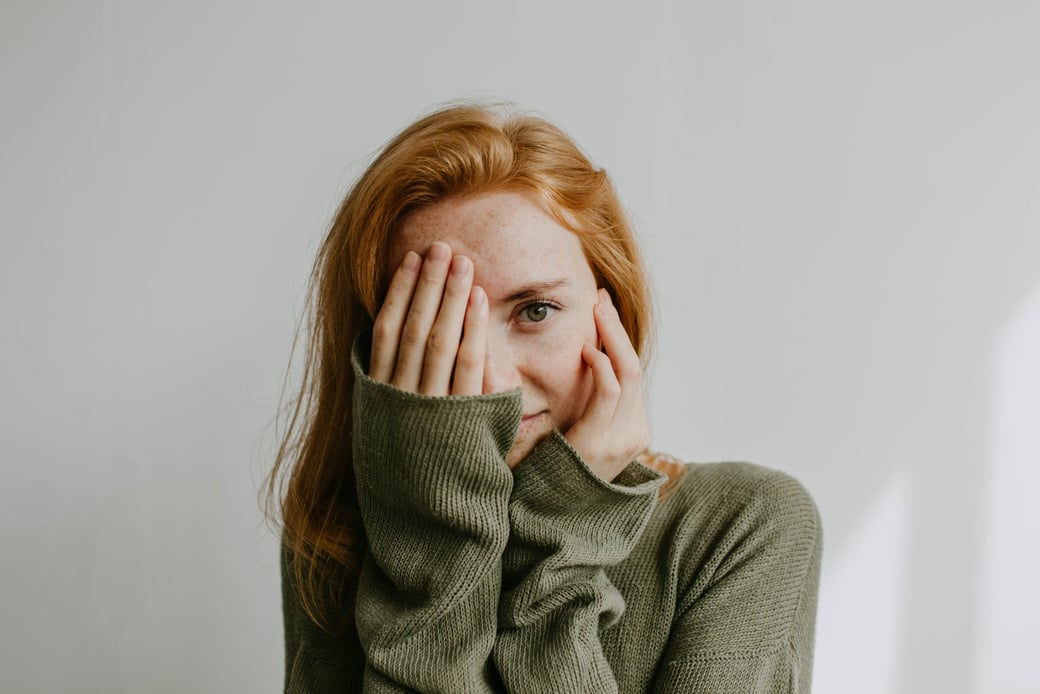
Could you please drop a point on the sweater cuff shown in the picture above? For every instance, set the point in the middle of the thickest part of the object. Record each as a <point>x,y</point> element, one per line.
<point>430,453</point>
<point>553,482</point>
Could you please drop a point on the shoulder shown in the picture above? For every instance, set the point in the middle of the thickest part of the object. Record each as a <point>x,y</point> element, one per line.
<point>743,545</point>
<point>723,511</point>
<point>739,488</point>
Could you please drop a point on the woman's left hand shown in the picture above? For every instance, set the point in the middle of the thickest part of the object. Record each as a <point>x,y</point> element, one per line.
<point>613,430</point>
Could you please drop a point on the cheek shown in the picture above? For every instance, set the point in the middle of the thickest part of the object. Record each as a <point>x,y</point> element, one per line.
<point>568,378</point>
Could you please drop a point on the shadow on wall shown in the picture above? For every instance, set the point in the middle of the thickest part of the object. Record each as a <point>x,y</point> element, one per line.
<point>936,578</point>
<point>1004,609</point>
<point>1010,608</point>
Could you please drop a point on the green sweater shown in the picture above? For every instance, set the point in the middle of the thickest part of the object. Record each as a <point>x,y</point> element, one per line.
<point>547,578</point>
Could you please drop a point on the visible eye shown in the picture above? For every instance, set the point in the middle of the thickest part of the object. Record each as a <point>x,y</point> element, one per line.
<point>537,311</point>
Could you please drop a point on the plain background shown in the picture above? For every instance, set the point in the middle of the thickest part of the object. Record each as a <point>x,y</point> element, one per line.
<point>840,203</point>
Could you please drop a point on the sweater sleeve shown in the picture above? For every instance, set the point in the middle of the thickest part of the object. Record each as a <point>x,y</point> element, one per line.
<point>567,525</point>
<point>433,489</point>
<point>745,619</point>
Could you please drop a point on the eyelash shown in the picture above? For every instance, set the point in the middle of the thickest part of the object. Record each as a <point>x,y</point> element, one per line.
<point>533,304</point>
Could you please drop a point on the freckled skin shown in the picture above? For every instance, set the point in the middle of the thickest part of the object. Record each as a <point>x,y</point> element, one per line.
<point>514,242</point>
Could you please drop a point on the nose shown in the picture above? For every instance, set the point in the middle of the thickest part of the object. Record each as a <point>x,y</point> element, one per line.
<point>501,368</point>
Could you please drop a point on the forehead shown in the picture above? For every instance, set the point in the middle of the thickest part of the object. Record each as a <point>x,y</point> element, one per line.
<point>511,239</point>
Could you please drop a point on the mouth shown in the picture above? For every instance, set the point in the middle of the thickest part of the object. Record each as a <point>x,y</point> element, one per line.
<point>529,419</point>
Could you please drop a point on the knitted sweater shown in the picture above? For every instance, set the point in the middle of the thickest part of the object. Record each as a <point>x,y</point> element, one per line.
<point>546,578</point>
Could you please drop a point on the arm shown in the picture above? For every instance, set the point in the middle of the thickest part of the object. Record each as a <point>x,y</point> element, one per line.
<point>567,524</point>
<point>433,489</point>
<point>746,611</point>
<point>433,485</point>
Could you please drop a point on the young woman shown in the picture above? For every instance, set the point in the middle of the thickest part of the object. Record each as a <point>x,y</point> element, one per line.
<point>466,496</point>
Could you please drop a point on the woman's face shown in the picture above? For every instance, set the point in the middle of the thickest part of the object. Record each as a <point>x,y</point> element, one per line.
<point>540,291</point>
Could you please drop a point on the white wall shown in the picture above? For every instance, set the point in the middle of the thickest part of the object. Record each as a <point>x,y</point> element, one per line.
<point>840,201</point>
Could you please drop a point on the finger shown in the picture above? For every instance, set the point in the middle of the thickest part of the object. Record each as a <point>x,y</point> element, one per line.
<point>616,342</point>
<point>386,330</point>
<point>606,390</point>
<point>624,361</point>
<point>442,345</point>
<point>469,365</point>
<point>421,313</point>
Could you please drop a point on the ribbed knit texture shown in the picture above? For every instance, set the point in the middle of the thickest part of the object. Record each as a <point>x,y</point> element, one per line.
<point>547,578</point>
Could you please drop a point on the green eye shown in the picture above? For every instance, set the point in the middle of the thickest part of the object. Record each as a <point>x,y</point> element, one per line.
<point>537,312</point>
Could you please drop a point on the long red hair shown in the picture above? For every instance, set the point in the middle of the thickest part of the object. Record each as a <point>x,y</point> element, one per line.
<point>457,151</point>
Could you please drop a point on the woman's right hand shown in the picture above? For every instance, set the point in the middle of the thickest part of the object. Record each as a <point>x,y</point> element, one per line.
<point>430,335</point>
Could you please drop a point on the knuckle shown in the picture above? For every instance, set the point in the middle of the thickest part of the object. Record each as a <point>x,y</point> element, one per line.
<point>458,287</point>
<point>467,361</point>
<point>399,282</point>
<point>381,331</point>
<point>437,342</point>
<point>431,279</point>
<point>411,334</point>
<point>474,318</point>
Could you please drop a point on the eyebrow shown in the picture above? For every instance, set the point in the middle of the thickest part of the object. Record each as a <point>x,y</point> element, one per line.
<point>535,289</point>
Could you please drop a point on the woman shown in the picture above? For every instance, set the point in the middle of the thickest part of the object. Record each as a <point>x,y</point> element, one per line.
<point>470,505</point>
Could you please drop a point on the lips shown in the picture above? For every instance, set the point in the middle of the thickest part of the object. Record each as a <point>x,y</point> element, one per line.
<point>529,419</point>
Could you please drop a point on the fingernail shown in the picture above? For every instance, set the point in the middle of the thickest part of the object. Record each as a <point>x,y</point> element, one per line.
<point>438,251</point>
<point>411,260</point>
<point>459,265</point>
<point>478,296</point>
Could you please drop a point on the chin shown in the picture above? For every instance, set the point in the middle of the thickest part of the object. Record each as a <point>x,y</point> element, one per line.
<point>520,450</point>
<point>514,458</point>
<point>526,441</point>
